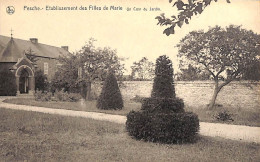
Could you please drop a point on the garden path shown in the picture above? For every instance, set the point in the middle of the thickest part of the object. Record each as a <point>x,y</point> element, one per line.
<point>234,132</point>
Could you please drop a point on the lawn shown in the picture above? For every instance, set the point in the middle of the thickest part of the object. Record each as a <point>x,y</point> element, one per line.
<point>31,136</point>
<point>250,117</point>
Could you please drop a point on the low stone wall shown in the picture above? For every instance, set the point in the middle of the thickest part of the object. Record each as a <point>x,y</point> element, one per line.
<point>198,93</point>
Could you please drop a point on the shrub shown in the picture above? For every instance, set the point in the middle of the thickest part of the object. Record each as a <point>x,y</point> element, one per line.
<point>162,117</point>
<point>224,116</point>
<point>163,105</point>
<point>163,127</point>
<point>110,97</point>
<point>42,96</point>
<point>74,97</point>
<point>7,83</point>
<point>65,96</point>
<point>61,95</point>
<point>41,81</point>
<point>58,96</point>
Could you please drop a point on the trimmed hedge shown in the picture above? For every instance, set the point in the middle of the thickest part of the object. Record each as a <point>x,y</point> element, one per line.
<point>162,127</point>
<point>7,83</point>
<point>163,105</point>
<point>110,97</point>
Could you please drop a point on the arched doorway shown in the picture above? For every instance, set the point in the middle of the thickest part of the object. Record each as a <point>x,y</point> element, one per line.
<point>24,82</point>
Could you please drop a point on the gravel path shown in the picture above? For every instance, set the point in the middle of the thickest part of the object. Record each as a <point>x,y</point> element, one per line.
<point>234,132</point>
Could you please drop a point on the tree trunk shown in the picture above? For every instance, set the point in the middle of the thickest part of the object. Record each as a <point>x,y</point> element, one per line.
<point>88,97</point>
<point>214,97</point>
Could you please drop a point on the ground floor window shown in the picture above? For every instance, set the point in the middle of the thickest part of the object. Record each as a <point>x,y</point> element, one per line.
<point>46,68</point>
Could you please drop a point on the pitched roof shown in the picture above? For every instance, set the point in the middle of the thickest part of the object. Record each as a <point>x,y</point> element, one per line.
<point>18,46</point>
<point>11,53</point>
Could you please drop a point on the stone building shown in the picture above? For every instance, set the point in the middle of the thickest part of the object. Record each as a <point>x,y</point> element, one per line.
<point>14,54</point>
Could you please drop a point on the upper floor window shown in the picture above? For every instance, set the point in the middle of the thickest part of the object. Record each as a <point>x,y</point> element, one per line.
<point>46,68</point>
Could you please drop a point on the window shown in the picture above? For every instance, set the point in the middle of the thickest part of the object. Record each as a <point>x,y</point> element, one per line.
<point>46,68</point>
<point>79,72</point>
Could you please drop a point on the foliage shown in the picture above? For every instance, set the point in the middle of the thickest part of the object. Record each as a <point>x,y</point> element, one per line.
<point>110,97</point>
<point>42,96</point>
<point>31,55</point>
<point>79,70</point>
<point>163,86</point>
<point>165,105</point>
<point>224,116</point>
<point>66,76</point>
<point>65,96</point>
<point>252,72</point>
<point>163,127</point>
<point>186,11</point>
<point>41,82</point>
<point>7,83</point>
<point>162,117</point>
<point>142,70</point>
<point>57,96</point>
<point>192,73</point>
<point>126,78</point>
<point>224,53</point>
<point>94,64</point>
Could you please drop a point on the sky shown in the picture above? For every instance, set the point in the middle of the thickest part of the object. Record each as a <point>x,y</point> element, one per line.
<point>134,34</point>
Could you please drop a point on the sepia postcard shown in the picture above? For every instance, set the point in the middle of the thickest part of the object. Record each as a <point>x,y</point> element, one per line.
<point>129,80</point>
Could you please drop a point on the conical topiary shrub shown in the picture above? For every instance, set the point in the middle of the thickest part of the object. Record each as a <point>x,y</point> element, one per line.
<point>163,96</point>
<point>163,86</point>
<point>110,97</point>
<point>162,117</point>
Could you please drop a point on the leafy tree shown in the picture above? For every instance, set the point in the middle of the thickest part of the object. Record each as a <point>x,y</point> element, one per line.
<point>67,74</point>
<point>95,64</point>
<point>192,73</point>
<point>224,53</point>
<point>110,97</point>
<point>143,69</point>
<point>186,9</point>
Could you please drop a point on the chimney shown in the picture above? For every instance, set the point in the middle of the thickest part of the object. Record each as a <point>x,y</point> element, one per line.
<point>34,40</point>
<point>66,48</point>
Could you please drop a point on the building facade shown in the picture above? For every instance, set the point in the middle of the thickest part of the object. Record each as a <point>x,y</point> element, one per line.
<point>16,55</point>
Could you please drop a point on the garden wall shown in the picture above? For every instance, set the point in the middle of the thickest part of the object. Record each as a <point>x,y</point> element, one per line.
<point>198,93</point>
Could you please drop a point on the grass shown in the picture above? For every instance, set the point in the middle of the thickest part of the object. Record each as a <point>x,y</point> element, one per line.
<point>249,117</point>
<point>31,136</point>
<point>89,106</point>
